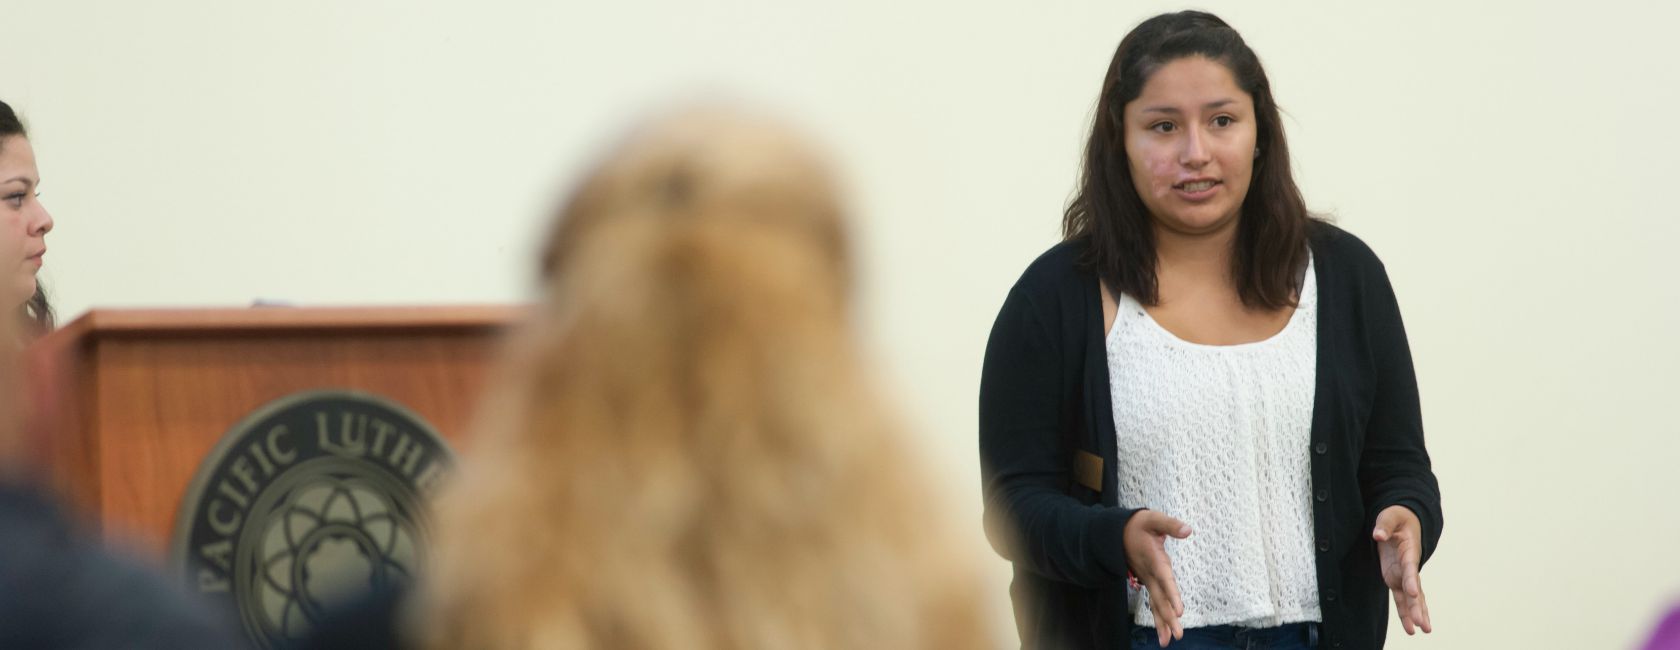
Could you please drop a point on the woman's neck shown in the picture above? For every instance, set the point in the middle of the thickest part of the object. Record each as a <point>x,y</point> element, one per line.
<point>1197,256</point>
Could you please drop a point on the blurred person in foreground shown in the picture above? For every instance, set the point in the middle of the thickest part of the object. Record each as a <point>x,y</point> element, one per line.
<point>684,448</point>
<point>59,588</point>
<point>1667,634</point>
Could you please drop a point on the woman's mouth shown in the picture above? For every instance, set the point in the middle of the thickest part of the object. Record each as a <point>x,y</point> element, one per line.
<point>1197,189</point>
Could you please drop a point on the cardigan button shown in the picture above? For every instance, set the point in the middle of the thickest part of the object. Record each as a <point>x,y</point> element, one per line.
<point>1323,545</point>
<point>1330,595</point>
<point>1320,448</point>
<point>1323,495</point>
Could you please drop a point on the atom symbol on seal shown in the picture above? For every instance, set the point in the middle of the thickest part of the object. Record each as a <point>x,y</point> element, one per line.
<point>328,542</point>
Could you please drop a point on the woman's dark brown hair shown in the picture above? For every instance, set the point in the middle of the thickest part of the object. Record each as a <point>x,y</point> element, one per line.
<point>36,314</point>
<point>1270,246</point>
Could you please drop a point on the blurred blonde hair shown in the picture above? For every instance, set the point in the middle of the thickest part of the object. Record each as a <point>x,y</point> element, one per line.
<point>683,449</point>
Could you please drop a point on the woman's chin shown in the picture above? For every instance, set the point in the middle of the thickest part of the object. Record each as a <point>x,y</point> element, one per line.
<point>24,290</point>
<point>1199,224</point>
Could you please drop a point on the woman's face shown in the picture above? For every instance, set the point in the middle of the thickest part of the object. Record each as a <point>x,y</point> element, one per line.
<point>24,222</point>
<point>1190,143</point>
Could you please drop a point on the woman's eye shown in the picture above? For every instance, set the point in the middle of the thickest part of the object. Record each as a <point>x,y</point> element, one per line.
<point>16,200</point>
<point>1162,127</point>
<point>1223,120</point>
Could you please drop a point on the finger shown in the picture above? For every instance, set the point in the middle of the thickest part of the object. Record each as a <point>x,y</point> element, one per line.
<point>1169,628</point>
<point>1161,629</point>
<point>1387,528</point>
<point>1166,525</point>
<point>1424,604</point>
<point>1410,579</point>
<point>1165,613</point>
<point>1403,609</point>
<point>1414,600</point>
<point>1165,606</point>
<point>1384,527</point>
<point>1392,522</point>
<point>1169,588</point>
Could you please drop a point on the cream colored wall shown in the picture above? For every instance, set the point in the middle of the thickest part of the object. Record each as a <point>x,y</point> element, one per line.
<point>1514,165</point>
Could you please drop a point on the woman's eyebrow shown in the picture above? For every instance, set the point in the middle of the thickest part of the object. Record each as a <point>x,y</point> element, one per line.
<point>1215,104</point>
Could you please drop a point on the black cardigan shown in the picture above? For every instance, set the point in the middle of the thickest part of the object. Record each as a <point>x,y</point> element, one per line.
<point>1044,397</point>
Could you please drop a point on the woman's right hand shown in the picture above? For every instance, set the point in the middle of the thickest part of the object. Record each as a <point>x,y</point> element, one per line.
<point>1145,539</point>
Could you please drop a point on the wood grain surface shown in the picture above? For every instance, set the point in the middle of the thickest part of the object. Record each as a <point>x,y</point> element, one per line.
<point>138,398</point>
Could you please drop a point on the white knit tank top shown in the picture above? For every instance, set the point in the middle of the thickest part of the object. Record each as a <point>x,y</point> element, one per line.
<point>1219,437</point>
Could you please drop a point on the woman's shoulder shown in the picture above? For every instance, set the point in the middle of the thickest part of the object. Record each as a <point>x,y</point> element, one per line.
<point>1331,244</point>
<point>1052,288</point>
<point>1055,269</point>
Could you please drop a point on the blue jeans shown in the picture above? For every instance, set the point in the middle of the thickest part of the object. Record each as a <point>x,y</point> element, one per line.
<point>1294,636</point>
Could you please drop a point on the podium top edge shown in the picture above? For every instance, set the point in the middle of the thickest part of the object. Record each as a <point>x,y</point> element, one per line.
<point>269,319</point>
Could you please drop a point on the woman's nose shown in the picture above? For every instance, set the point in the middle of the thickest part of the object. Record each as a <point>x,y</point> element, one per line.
<point>43,223</point>
<point>1195,151</point>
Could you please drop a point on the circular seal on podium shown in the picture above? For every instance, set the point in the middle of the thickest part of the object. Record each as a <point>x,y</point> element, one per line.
<point>310,501</point>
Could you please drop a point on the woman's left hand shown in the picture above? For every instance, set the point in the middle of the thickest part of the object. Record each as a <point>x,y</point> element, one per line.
<point>1399,539</point>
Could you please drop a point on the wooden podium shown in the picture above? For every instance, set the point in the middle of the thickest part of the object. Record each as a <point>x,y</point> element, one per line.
<point>129,402</point>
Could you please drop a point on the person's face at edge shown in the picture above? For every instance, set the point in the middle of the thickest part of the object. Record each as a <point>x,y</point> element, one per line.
<point>24,222</point>
<point>1190,138</point>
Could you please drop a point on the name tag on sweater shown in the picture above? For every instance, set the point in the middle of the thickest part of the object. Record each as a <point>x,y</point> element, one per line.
<point>1088,470</point>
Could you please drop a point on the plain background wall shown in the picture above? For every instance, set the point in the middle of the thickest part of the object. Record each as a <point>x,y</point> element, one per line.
<point>1514,164</point>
